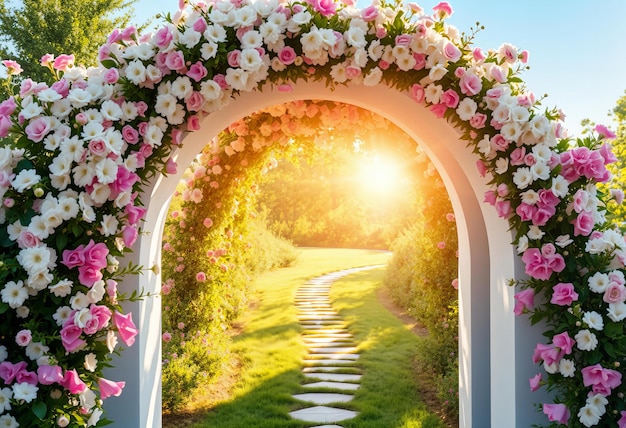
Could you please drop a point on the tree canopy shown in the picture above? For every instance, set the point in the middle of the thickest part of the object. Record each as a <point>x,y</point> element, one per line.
<point>29,29</point>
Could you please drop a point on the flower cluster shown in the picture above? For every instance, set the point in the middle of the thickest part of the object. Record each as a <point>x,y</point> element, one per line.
<point>73,156</point>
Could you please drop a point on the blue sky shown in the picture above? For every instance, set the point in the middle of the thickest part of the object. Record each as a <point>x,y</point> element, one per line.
<point>577,53</point>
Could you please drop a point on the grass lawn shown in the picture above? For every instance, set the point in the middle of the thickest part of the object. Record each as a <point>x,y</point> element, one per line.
<point>270,350</point>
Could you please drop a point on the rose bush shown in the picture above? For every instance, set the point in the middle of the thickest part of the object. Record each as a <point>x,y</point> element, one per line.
<point>74,155</point>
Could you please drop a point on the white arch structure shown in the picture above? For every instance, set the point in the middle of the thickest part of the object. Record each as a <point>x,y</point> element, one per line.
<point>495,346</point>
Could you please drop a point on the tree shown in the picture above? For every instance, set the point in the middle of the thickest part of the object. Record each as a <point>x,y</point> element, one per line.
<point>29,29</point>
<point>619,148</point>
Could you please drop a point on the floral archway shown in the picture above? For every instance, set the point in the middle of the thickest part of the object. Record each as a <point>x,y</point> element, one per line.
<point>74,157</point>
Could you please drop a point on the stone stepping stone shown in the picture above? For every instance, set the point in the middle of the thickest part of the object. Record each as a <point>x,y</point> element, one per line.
<point>329,362</point>
<point>344,386</point>
<point>305,318</point>
<point>329,341</point>
<point>323,397</point>
<point>322,414</point>
<point>336,324</point>
<point>335,377</point>
<point>334,350</point>
<point>328,369</point>
<point>327,332</point>
<point>327,426</point>
<point>335,356</point>
<point>341,335</point>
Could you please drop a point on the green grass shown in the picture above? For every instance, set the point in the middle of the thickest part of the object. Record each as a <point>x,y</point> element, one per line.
<point>271,350</point>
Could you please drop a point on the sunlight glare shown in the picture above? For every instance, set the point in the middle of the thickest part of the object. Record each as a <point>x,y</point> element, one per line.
<point>379,175</point>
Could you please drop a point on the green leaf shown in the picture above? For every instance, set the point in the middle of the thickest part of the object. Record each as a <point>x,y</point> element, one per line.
<point>22,165</point>
<point>3,307</point>
<point>610,350</point>
<point>613,330</point>
<point>40,409</point>
<point>61,241</point>
<point>4,238</point>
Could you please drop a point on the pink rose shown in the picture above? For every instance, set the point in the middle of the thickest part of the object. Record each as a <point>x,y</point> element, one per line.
<point>370,13</point>
<point>438,110</point>
<point>129,235</point>
<point>197,71</point>
<point>563,294</point>
<point>5,126</point>
<point>73,383</point>
<point>604,132</point>
<point>524,300</point>
<point>23,337</point>
<point>89,275</point>
<point>478,55</point>
<point>470,84</point>
<point>38,129</point>
<point>403,40</point>
<point>74,258</point>
<point>443,9</point>
<point>420,61</point>
<point>13,68</point>
<point>478,121</point>
<point>130,134</point>
<point>109,388</point>
<point>193,123</point>
<point>450,98</point>
<point>101,314</point>
<point>7,107</point>
<point>481,167</point>
<point>63,62</point>
<point>111,76</point>
<point>26,239</point>
<point>518,156</point>
<point>163,37</point>
<point>111,288</point>
<point>557,413</point>
<point>200,277</point>
<point>125,327</point>
<point>195,101</point>
<point>535,382</point>
<point>46,60</point>
<point>490,197</point>
<point>70,337</point>
<point>536,265</point>
<point>170,166</point>
<point>455,283</point>
<point>417,93</point>
<point>583,224</point>
<point>96,254</point>
<point>615,293</point>
<point>47,375</point>
<point>326,8</point>
<point>175,61</point>
<point>200,25</point>
<point>503,208</point>
<point>564,343</point>
<point>167,337</point>
<point>597,375</point>
<point>8,371</point>
<point>451,52</point>
<point>233,58</point>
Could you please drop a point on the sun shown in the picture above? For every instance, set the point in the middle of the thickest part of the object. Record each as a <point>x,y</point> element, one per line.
<point>379,175</point>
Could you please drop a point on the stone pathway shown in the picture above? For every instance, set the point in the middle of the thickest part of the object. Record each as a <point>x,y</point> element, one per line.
<point>331,364</point>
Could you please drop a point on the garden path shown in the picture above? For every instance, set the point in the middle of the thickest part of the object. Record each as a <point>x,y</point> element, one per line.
<point>331,365</point>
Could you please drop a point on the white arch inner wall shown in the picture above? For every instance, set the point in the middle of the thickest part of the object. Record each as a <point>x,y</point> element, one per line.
<point>494,346</point>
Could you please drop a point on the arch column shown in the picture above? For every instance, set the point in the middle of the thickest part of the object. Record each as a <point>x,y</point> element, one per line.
<point>494,349</point>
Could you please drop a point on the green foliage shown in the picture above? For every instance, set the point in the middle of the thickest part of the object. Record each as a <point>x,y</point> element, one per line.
<point>420,277</point>
<point>618,169</point>
<point>324,199</point>
<point>190,360</point>
<point>78,27</point>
